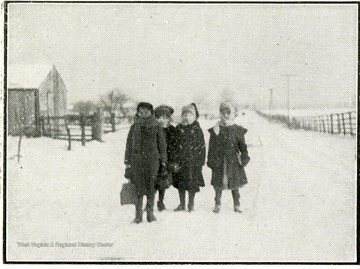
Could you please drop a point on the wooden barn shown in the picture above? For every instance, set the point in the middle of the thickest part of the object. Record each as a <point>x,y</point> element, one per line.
<point>33,91</point>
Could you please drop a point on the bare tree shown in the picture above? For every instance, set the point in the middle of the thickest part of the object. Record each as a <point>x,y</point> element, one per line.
<point>85,108</point>
<point>120,99</point>
<point>107,102</point>
<point>114,101</point>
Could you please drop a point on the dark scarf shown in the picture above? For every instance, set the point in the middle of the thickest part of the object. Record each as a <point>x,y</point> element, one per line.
<point>139,123</point>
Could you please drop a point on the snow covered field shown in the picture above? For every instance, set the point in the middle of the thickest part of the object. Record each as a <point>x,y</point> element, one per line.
<point>299,205</point>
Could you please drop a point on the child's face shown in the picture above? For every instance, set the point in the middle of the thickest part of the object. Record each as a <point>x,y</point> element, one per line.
<point>144,113</point>
<point>227,114</point>
<point>164,121</point>
<point>188,117</point>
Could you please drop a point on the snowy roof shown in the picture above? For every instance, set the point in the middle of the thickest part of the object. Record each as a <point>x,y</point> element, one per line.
<point>27,75</point>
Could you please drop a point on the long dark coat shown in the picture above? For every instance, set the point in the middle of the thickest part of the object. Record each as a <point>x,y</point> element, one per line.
<point>171,142</point>
<point>190,155</point>
<point>228,147</point>
<point>146,160</point>
<point>164,182</point>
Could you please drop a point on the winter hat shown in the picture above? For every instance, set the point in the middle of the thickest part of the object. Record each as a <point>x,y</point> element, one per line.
<point>163,110</point>
<point>196,110</point>
<point>189,108</point>
<point>145,105</point>
<point>227,106</point>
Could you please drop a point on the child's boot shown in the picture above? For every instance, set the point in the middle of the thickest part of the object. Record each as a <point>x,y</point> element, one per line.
<point>236,197</point>
<point>150,209</point>
<point>139,211</point>
<point>191,201</point>
<point>237,209</point>
<point>150,215</point>
<point>217,207</point>
<point>161,206</point>
<point>181,207</point>
<point>160,203</point>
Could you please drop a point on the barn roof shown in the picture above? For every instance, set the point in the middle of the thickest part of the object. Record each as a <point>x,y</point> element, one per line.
<point>27,75</point>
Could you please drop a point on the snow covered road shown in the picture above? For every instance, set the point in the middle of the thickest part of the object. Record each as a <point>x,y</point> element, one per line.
<point>299,205</point>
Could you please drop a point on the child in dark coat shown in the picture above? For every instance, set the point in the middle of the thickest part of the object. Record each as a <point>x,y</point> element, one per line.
<point>190,156</point>
<point>145,151</point>
<point>227,156</point>
<point>164,180</point>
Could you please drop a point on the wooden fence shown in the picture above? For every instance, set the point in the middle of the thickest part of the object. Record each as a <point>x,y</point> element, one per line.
<point>78,127</point>
<point>111,122</point>
<point>337,123</point>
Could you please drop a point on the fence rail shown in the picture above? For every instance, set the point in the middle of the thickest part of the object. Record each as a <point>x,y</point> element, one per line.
<point>79,127</point>
<point>110,122</point>
<point>57,127</point>
<point>336,123</point>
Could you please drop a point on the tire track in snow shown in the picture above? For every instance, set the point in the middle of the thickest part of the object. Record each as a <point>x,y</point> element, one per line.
<point>260,177</point>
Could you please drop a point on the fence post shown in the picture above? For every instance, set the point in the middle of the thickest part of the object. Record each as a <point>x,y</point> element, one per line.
<point>338,123</point>
<point>97,126</point>
<point>312,125</point>
<point>343,121</point>
<point>308,127</point>
<point>331,124</point>
<point>82,126</point>
<point>112,121</point>
<point>68,133</point>
<point>327,124</point>
<point>42,125</point>
<point>350,124</point>
<point>49,125</point>
<point>323,123</point>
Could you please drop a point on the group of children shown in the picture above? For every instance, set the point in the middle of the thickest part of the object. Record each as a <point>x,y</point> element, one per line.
<point>159,155</point>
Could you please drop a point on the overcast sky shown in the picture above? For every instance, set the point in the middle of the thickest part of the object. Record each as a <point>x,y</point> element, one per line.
<point>172,53</point>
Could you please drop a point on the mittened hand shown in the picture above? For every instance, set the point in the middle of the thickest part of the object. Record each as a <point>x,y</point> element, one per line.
<point>163,170</point>
<point>245,161</point>
<point>174,167</point>
<point>128,172</point>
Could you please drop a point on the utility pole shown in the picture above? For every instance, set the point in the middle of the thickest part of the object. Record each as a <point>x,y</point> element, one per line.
<point>288,76</point>
<point>271,99</point>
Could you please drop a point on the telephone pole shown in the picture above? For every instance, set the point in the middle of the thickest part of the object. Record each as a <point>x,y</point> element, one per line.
<point>288,76</point>
<point>271,99</point>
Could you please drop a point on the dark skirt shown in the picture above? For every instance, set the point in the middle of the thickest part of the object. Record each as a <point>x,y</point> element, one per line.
<point>189,178</point>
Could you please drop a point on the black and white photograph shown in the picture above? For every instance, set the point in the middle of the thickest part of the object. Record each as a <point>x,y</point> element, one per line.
<point>180,132</point>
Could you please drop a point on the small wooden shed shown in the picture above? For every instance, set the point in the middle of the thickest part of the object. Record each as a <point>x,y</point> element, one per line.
<point>33,91</point>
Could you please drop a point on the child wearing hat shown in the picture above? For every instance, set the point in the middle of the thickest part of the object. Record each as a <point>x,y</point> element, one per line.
<point>227,156</point>
<point>163,114</point>
<point>145,151</point>
<point>190,156</point>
